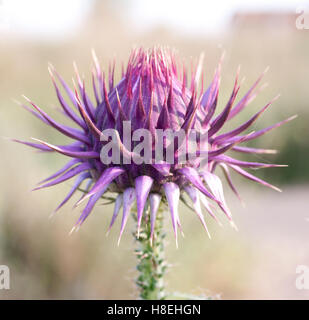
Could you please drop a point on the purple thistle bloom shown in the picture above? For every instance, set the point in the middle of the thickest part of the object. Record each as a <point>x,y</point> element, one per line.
<point>152,95</point>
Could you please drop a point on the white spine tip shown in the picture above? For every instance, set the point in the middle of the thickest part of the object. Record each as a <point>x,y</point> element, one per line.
<point>51,216</point>
<point>208,234</point>
<point>243,204</point>
<point>233,225</point>
<point>16,101</point>
<point>138,230</point>
<point>72,230</point>
<point>26,98</point>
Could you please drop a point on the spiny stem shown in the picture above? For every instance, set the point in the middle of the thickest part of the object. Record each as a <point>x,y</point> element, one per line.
<point>151,263</point>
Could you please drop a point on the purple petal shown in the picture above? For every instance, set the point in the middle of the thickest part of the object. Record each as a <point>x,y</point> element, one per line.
<point>109,110</point>
<point>214,153</point>
<point>105,179</point>
<point>190,114</point>
<point>69,174</point>
<point>117,207</point>
<point>36,114</point>
<point>229,160</point>
<point>265,130</point>
<point>210,94</point>
<point>87,103</point>
<point>95,88</point>
<point>62,170</point>
<point>44,148</point>
<point>253,150</point>
<point>229,180</point>
<point>164,118</point>
<point>87,187</point>
<point>207,206</point>
<point>128,201</point>
<point>154,201</point>
<point>210,113</point>
<point>172,193</point>
<point>248,97</point>
<point>70,132</point>
<point>34,145</point>
<point>73,154</point>
<point>140,112</point>
<point>210,97</point>
<point>244,126</point>
<point>143,186</point>
<point>92,201</point>
<point>253,178</point>
<point>65,86</point>
<point>193,177</point>
<point>77,183</point>
<point>219,121</point>
<point>92,127</point>
<point>215,185</point>
<point>162,167</point>
<point>64,105</point>
<point>193,194</point>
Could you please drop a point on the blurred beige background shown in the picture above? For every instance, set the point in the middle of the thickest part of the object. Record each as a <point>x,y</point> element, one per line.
<point>257,262</point>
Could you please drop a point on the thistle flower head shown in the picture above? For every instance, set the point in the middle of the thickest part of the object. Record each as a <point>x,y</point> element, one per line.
<point>154,94</point>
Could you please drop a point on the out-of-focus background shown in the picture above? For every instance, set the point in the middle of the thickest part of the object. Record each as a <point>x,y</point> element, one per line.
<point>257,262</point>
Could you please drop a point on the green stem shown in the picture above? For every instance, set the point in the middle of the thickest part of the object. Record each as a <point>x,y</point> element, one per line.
<point>151,263</point>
